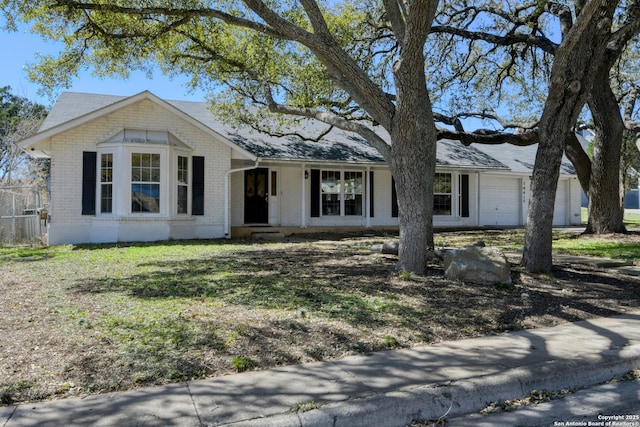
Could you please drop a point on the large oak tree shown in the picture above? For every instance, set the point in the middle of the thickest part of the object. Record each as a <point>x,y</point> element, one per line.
<point>321,60</point>
<point>518,48</point>
<point>359,66</point>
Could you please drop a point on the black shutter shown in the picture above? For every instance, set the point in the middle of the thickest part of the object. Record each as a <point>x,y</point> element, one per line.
<point>394,199</point>
<point>464,195</point>
<point>315,193</point>
<point>89,164</point>
<point>370,194</point>
<point>197,191</point>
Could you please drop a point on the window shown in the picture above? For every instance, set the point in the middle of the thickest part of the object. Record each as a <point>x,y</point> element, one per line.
<point>145,182</point>
<point>342,193</point>
<point>330,192</point>
<point>183,185</point>
<point>353,193</point>
<point>442,195</point>
<point>442,191</point>
<point>140,172</point>
<point>106,183</point>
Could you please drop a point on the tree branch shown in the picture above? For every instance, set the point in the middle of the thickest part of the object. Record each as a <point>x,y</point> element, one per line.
<point>484,136</point>
<point>336,121</point>
<point>508,40</point>
<point>72,5</point>
<point>396,18</point>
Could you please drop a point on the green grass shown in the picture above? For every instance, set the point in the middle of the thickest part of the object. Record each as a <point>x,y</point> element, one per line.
<point>631,219</point>
<point>598,248</point>
<point>243,364</point>
<point>171,311</point>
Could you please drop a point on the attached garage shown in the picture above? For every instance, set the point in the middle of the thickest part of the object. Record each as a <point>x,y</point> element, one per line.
<point>500,200</point>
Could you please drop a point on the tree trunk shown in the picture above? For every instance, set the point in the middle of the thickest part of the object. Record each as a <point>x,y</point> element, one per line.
<point>605,202</point>
<point>413,154</point>
<point>413,167</point>
<point>571,79</point>
<point>536,256</point>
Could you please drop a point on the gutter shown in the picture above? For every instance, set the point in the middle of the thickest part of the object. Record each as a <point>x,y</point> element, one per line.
<point>227,225</point>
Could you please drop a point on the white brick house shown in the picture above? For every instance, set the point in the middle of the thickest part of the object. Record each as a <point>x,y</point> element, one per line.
<point>141,168</point>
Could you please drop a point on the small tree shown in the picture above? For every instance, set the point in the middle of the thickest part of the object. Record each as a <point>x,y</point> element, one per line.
<point>19,118</point>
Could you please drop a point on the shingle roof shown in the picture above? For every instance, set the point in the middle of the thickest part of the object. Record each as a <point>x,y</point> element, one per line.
<point>337,146</point>
<point>520,159</point>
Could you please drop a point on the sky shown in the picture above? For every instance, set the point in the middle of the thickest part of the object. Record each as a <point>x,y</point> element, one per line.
<point>17,49</point>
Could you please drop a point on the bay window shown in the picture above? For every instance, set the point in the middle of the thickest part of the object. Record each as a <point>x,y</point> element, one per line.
<point>138,173</point>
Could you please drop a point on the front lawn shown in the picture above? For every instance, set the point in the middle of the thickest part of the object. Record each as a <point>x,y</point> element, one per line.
<point>87,319</point>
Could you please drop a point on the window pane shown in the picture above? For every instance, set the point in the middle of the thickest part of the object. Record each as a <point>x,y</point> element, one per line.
<point>145,178</point>
<point>106,175</point>
<point>330,192</point>
<point>441,204</point>
<point>106,198</point>
<point>183,188</point>
<point>331,204</point>
<point>182,199</point>
<point>442,183</point>
<point>106,178</point>
<point>183,170</point>
<point>145,198</point>
<point>353,193</point>
<point>353,206</point>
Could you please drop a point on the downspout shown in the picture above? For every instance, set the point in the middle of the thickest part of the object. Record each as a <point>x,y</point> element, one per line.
<point>227,225</point>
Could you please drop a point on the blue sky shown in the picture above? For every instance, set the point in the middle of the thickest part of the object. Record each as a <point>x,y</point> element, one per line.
<point>20,48</point>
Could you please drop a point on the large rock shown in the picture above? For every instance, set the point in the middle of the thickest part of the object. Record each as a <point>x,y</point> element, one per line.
<point>477,265</point>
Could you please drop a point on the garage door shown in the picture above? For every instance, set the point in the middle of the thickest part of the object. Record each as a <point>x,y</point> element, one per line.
<point>560,207</point>
<point>500,200</point>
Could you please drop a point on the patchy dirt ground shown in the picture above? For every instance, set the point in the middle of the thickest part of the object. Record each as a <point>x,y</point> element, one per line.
<point>292,303</point>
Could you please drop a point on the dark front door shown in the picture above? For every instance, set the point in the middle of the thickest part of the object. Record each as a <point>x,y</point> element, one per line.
<point>256,207</point>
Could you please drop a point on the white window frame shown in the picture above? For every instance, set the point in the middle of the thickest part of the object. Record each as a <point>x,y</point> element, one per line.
<point>176,182</point>
<point>341,193</point>
<point>122,151</point>
<point>162,190</point>
<point>452,194</point>
<point>101,184</point>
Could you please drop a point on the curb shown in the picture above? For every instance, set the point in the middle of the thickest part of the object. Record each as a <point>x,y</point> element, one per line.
<point>457,398</point>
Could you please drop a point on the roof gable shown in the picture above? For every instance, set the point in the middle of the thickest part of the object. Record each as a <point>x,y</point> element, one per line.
<point>74,109</point>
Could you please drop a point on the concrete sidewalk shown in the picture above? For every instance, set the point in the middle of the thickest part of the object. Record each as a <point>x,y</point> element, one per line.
<point>381,389</point>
